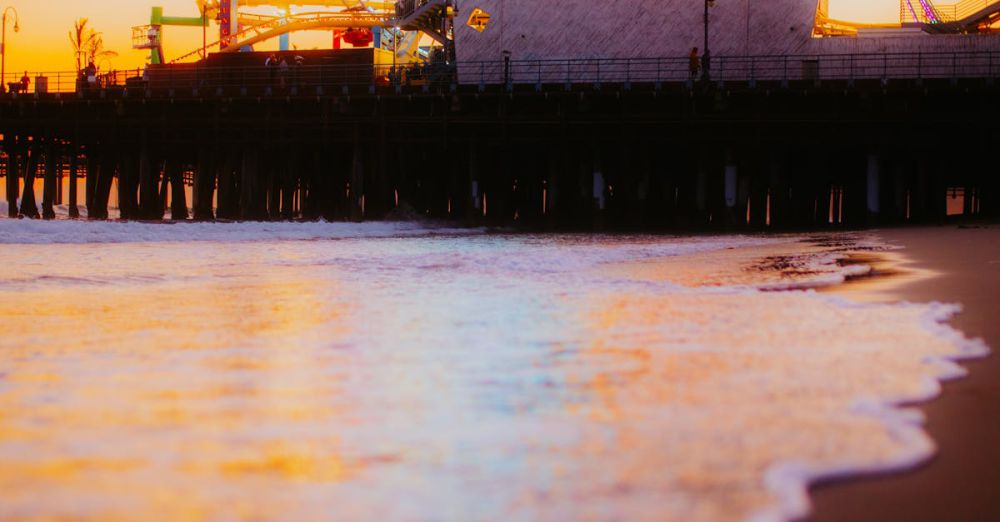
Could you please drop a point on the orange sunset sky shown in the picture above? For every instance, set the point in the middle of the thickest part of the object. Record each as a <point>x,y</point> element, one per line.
<point>43,45</point>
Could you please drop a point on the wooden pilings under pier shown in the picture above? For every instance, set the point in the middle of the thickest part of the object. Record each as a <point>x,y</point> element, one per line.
<point>538,185</point>
<point>621,159</point>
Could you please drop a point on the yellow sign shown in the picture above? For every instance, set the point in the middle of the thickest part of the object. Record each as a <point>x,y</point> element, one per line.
<point>479,19</point>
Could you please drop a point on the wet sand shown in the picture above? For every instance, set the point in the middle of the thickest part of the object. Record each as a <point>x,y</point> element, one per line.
<point>946,264</point>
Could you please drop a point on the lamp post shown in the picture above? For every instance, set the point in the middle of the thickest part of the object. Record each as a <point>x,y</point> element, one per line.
<point>3,45</point>
<point>204,31</point>
<point>395,52</point>
<point>706,59</point>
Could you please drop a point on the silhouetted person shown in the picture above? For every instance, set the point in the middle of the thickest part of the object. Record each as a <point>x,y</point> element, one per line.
<point>91,74</point>
<point>694,64</point>
<point>283,70</point>
<point>272,67</point>
<point>298,62</point>
<point>25,82</point>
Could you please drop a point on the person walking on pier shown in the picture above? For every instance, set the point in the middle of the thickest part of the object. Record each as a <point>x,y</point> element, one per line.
<point>272,68</point>
<point>694,64</point>
<point>91,73</point>
<point>283,72</point>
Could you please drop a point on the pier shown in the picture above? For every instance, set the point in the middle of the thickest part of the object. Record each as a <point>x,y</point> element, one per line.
<point>780,142</point>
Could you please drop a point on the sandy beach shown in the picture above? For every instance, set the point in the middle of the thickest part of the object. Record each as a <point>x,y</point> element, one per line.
<point>957,265</point>
<point>651,365</point>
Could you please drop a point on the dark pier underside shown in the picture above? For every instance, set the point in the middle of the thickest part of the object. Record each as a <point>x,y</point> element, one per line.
<point>668,156</point>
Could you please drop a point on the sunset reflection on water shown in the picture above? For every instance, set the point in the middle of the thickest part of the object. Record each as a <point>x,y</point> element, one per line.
<point>453,378</point>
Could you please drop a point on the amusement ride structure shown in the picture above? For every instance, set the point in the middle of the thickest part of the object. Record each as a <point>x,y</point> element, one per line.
<point>967,16</point>
<point>964,17</point>
<point>399,26</point>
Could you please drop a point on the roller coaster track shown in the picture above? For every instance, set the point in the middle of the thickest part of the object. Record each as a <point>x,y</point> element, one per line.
<point>967,16</point>
<point>308,22</point>
<point>260,28</point>
<point>408,15</point>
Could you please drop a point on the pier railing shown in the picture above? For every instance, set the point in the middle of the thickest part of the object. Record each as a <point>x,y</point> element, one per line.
<point>197,80</point>
<point>884,66</point>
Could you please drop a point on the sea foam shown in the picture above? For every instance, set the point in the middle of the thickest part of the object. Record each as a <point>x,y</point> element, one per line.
<point>405,371</point>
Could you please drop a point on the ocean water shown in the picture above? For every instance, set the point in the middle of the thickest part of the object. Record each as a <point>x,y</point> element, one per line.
<point>404,372</point>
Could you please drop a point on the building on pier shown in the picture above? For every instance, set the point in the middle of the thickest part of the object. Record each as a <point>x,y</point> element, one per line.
<point>587,29</point>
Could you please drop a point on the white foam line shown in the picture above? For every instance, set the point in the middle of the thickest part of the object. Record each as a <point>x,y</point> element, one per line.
<point>19,231</point>
<point>790,480</point>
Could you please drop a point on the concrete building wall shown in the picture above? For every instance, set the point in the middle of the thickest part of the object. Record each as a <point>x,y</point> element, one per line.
<point>556,29</point>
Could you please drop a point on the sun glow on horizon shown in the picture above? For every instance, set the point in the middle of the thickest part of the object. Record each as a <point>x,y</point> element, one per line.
<point>43,44</point>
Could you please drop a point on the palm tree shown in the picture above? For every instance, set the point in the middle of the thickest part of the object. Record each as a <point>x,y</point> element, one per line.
<point>79,38</point>
<point>96,51</point>
<point>88,44</point>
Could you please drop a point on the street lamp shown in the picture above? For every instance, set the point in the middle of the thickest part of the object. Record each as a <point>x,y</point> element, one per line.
<point>3,45</point>
<point>204,30</point>
<point>395,52</point>
<point>706,59</point>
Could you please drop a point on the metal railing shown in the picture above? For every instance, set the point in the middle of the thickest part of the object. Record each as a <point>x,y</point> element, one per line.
<point>883,66</point>
<point>63,81</point>
<point>311,80</point>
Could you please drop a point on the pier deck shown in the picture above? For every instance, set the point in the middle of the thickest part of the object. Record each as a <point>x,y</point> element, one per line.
<point>787,142</point>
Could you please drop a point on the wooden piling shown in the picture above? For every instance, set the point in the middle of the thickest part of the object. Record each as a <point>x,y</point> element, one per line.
<point>598,187</point>
<point>702,186</point>
<point>10,146</point>
<point>896,199</point>
<point>758,188</point>
<point>662,197</point>
<point>204,186</point>
<point>474,188</point>
<point>29,208</point>
<point>148,175</point>
<point>74,167</point>
<point>730,208</point>
<point>253,193</point>
<point>163,193</point>
<point>90,182</point>
<point>778,205</point>
<point>288,185</point>
<point>174,173</point>
<point>49,187</point>
<point>873,187</point>
<point>227,206</point>
<point>357,190</point>
<point>273,163</point>
<point>60,174</point>
<point>104,176</point>
<point>128,203</point>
